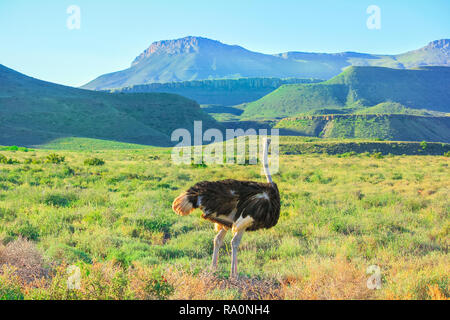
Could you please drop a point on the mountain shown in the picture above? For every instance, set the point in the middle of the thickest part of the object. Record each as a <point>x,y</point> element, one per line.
<point>33,112</point>
<point>436,53</point>
<point>359,88</point>
<point>197,58</point>
<point>328,65</point>
<point>225,92</point>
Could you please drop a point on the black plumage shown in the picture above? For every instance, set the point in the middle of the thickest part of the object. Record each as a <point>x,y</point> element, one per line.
<point>224,202</point>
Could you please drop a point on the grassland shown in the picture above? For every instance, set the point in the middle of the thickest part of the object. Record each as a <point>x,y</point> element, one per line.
<point>340,214</point>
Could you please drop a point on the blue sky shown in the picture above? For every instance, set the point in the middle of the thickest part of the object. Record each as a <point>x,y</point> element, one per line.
<point>36,41</point>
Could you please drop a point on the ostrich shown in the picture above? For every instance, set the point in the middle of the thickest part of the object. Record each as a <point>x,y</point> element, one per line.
<point>239,205</point>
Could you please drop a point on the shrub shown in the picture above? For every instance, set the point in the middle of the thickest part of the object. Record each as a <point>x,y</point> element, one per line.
<point>5,160</point>
<point>27,261</point>
<point>59,200</point>
<point>68,171</point>
<point>14,148</point>
<point>377,155</point>
<point>347,154</point>
<point>94,162</point>
<point>25,230</point>
<point>199,165</point>
<point>54,158</point>
<point>32,161</point>
<point>61,252</point>
<point>397,176</point>
<point>148,283</point>
<point>10,288</point>
<point>423,145</point>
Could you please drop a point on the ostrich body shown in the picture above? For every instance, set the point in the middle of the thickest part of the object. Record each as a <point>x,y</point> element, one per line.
<point>233,204</point>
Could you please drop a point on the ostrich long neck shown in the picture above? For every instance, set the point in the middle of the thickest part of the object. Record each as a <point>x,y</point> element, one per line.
<point>266,161</point>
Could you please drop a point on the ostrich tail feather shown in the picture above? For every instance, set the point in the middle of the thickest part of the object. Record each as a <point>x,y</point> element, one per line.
<point>182,206</point>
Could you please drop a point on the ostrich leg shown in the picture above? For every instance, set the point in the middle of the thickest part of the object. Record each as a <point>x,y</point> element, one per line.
<point>218,241</point>
<point>234,246</point>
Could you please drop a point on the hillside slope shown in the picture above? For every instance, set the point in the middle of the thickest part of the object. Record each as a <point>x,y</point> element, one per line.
<point>359,87</point>
<point>383,126</point>
<point>197,58</point>
<point>33,112</point>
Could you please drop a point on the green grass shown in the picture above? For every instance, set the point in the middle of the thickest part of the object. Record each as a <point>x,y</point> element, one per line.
<point>339,215</point>
<point>74,143</point>
<point>288,145</point>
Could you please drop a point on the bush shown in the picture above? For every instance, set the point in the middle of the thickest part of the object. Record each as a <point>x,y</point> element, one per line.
<point>148,283</point>
<point>32,161</point>
<point>14,148</point>
<point>397,176</point>
<point>377,155</point>
<point>25,230</point>
<point>59,200</point>
<point>54,158</point>
<point>5,160</point>
<point>94,162</point>
<point>423,145</point>
<point>68,171</point>
<point>199,165</point>
<point>10,288</point>
<point>27,261</point>
<point>347,154</point>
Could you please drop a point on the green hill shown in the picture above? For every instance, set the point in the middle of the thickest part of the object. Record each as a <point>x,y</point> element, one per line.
<point>381,126</point>
<point>34,112</point>
<point>359,88</point>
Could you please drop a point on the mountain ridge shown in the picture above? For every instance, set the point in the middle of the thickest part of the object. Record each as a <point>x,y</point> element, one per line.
<point>199,58</point>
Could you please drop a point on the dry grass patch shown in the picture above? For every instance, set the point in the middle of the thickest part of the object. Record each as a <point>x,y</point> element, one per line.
<point>206,285</point>
<point>330,279</point>
<point>25,258</point>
